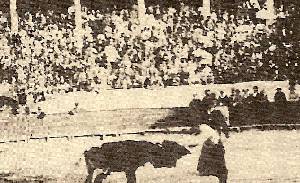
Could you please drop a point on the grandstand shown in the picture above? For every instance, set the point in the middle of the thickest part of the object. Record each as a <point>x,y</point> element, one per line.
<point>109,44</point>
<point>114,56</point>
<point>54,50</point>
<point>58,53</point>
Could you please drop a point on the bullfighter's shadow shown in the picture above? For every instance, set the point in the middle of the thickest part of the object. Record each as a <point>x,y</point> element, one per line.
<point>181,117</point>
<point>240,115</point>
<point>128,156</point>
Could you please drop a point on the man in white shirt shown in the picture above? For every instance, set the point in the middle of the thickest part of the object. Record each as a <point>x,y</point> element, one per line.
<point>206,75</point>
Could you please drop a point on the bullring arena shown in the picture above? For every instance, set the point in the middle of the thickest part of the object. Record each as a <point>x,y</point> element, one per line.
<point>78,74</point>
<point>252,155</point>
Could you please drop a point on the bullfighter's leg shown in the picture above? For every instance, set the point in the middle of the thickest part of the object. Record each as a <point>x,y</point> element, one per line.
<point>131,178</point>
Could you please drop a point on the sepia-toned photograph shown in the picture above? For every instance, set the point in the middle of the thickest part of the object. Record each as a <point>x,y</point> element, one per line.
<point>149,91</point>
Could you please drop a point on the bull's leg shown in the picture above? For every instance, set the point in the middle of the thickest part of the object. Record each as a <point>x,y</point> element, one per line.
<point>130,175</point>
<point>90,170</point>
<point>100,177</point>
<point>89,177</point>
<point>222,178</point>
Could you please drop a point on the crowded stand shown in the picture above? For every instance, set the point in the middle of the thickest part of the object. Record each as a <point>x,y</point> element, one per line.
<point>167,47</point>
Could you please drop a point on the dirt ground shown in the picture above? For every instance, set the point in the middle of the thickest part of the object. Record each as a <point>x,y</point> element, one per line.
<point>251,156</point>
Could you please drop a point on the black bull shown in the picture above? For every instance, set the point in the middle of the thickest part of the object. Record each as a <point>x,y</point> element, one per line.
<point>128,156</point>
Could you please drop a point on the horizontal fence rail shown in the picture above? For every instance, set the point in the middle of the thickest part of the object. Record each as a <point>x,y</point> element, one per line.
<point>237,129</point>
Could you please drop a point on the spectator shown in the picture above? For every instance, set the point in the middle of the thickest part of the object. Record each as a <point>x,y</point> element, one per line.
<point>280,106</point>
<point>293,96</point>
<point>196,110</point>
<point>245,93</point>
<point>207,75</point>
<point>40,114</point>
<point>231,97</point>
<point>264,97</point>
<point>22,99</point>
<point>237,98</point>
<point>39,96</point>
<point>246,107</point>
<point>74,110</point>
<point>280,98</point>
<point>255,105</point>
<point>195,104</point>
<point>207,99</point>
<point>223,99</point>
<point>255,92</point>
<point>245,96</point>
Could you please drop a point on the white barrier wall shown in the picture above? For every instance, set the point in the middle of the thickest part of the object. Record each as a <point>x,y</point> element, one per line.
<point>169,97</point>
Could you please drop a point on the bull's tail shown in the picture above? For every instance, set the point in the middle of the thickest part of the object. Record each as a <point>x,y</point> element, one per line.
<point>84,158</point>
<point>78,162</point>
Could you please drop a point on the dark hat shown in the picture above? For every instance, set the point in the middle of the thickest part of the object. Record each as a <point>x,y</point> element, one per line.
<point>255,87</point>
<point>278,89</point>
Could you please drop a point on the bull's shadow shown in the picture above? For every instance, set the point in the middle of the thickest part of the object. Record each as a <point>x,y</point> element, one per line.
<point>128,156</point>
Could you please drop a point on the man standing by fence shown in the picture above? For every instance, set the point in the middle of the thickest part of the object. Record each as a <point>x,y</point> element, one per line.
<point>22,99</point>
<point>280,105</point>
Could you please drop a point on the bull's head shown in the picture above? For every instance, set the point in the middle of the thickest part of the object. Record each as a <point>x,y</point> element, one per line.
<point>175,149</point>
<point>169,153</point>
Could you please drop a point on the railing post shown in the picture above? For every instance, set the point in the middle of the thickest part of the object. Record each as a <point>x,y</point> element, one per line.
<point>78,32</point>
<point>141,11</point>
<point>13,16</point>
<point>271,11</point>
<point>206,8</point>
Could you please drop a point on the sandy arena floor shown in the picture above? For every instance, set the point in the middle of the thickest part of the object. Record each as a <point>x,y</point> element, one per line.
<point>251,156</point>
